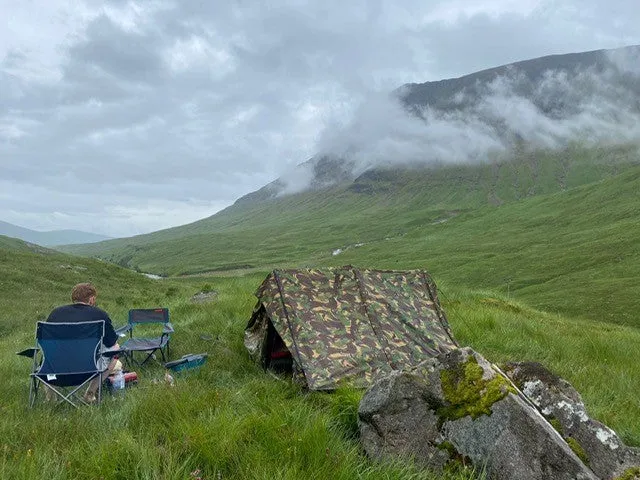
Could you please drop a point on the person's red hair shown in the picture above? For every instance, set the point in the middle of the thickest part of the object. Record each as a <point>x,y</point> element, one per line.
<point>82,292</point>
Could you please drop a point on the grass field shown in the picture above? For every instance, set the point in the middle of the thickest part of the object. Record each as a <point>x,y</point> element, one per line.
<point>232,420</point>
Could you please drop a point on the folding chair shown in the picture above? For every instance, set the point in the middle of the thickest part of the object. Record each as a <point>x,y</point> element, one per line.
<point>146,345</point>
<point>67,356</point>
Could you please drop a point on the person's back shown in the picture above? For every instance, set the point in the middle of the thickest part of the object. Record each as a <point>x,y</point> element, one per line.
<point>83,309</point>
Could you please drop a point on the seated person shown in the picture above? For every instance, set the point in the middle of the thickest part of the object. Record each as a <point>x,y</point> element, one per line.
<point>83,309</point>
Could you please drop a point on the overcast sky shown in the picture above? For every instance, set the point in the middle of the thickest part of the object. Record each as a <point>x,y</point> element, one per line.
<point>127,117</point>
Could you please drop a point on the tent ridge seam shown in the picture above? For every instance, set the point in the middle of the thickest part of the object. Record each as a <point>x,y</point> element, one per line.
<point>276,276</point>
<point>364,297</point>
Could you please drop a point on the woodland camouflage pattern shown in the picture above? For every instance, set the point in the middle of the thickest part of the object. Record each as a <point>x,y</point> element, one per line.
<point>349,325</point>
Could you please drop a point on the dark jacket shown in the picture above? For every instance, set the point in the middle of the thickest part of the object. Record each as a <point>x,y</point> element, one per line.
<point>80,312</point>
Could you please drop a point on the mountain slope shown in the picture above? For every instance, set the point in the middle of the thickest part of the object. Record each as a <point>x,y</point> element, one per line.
<point>537,247</point>
<point>392,197</point>
<point>590,98</point>
<point>574,252</point>
<point>51,238</point>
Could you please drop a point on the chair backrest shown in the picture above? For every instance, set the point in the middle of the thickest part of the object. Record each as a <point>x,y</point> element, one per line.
<point>148,315</point>
<point>69,348</point>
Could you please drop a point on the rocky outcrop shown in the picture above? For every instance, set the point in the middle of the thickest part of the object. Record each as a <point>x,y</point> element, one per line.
<point>458,408</point>
<point>204,296</point>
<point>561,404</point>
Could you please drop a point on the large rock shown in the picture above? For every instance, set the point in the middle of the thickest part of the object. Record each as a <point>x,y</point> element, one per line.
<point>515,442</point>
<point>598,445</point>
<point>456,408</point>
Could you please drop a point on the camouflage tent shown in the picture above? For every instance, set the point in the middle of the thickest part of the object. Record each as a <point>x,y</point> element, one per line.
<point>346,324</point>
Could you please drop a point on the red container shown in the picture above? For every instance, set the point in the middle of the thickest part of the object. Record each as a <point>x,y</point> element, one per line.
<point>130,378</point>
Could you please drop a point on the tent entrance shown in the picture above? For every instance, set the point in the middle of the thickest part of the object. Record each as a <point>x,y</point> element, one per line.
<point>277,355</point>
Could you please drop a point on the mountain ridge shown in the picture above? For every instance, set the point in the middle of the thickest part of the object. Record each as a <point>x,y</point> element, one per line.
<point>534,68</point>
<point>50,238</point>
<point>570,81</point>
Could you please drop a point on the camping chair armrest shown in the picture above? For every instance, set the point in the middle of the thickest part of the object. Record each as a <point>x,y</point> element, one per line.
<point>168,328</point>
<point>121,331</point>
<point>28,352</point>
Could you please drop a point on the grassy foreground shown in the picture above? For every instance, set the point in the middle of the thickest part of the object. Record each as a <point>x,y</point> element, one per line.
<point>230,419</point>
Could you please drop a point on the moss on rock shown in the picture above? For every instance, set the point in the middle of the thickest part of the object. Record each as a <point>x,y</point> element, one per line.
<point>468,393</point>
<point>578,450</point>
<point>555,423</point>
<point>630,474</point>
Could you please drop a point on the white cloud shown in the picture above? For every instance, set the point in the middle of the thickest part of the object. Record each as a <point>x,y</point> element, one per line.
<point>454,11</point>
<point>590,106</point>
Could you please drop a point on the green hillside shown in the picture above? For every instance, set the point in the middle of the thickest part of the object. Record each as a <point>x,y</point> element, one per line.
<point>575,252</point>
<point>34,279</point>
<point>521,175</point>
<point>556,229</point>
<point>231,420</point>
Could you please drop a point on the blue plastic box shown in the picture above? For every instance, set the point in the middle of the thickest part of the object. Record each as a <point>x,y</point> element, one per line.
<point>187,362</point>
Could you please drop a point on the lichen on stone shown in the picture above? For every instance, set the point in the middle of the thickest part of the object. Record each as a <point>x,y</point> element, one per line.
<point>578,450</point>
<point>468,393</point>
<point>608,438</point>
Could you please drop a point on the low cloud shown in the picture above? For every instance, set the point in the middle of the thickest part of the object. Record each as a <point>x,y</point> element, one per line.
<point>591,106</point>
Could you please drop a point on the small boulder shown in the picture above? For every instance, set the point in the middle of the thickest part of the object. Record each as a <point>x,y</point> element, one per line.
<point>204,296</point>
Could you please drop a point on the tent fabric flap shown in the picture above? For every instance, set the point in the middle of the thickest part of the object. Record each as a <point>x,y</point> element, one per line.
<point>349,325</point>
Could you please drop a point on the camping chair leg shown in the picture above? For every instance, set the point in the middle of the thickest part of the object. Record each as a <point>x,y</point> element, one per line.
<point>33,388</point>
<point>68,396</point>
<point>33,392</point>
<point>147,358</point>
<point>128,359</point>
<point>164,360</point>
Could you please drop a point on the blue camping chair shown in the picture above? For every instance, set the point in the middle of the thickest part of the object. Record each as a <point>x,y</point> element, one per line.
<point>67,356</point>
<point>146,345</point>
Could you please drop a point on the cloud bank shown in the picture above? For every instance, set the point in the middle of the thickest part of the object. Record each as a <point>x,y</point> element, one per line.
<point>126,116</point>
<point>591,106</point>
